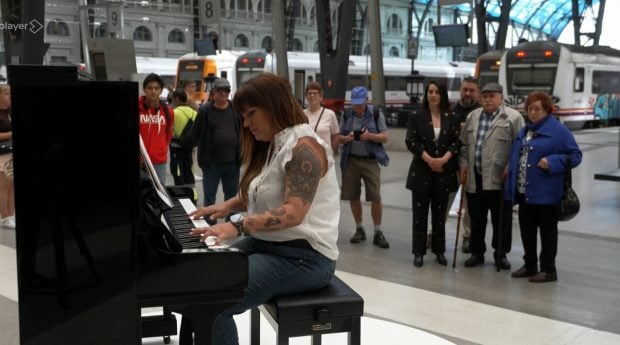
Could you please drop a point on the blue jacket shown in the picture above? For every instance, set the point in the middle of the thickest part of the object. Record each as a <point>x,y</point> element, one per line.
<point>376,149</point>
<point>552,141</point>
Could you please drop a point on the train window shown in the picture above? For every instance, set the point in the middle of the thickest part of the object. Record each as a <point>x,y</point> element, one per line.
<point>605,82</point>
<point>454,84</point>
<point>525,80</point>
<point>356,80</point>
<point>395,83</point>
<point>579,78</point>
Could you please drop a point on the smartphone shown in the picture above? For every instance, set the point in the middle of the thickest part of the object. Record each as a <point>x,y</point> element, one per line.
<point>357,134</point>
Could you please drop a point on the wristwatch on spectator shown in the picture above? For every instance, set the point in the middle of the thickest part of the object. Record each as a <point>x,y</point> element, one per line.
<point>237,220</point>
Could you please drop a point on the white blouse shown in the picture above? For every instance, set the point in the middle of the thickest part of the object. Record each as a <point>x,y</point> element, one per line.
<point>266,192</point>
<point>327,126</point>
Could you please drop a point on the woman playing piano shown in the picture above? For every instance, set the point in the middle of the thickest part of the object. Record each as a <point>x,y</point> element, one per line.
<point>290,192</point>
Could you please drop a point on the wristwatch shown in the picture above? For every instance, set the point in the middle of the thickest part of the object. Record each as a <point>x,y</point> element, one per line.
<point>237,220</point>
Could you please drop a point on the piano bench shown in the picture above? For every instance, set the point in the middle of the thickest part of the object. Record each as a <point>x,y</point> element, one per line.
<point>335,308</point>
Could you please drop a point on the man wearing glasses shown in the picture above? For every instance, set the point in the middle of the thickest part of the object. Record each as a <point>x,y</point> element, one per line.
<point>216,133</point>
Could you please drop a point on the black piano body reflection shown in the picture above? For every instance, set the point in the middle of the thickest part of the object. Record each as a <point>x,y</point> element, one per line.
<point>86,262</point>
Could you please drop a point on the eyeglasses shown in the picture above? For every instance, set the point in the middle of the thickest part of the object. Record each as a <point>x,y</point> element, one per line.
<point>223,89</point>
<point>313,93</point>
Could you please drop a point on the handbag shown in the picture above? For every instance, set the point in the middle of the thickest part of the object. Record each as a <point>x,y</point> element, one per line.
<point>569,205</point>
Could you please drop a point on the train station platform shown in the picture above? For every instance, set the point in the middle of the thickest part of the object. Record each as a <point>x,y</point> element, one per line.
<point>435,304</point>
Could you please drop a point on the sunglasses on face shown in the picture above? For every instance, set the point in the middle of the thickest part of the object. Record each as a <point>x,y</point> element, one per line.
<point>225,90</point>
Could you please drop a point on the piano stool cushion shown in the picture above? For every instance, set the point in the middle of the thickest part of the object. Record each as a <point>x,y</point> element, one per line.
<point>337,297</point>
<point>333,309</point>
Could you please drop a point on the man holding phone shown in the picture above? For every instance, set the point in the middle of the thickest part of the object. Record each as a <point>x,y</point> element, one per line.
<point>362,133</point>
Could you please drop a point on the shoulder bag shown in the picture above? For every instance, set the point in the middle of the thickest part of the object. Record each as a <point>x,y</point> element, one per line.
<point>569,205</point>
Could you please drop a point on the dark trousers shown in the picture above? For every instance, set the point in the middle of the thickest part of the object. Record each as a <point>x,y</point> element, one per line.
<point>228,173</point>
<point>479,204</point>
<point>181,166</point>
<point>420,201</point>
<point>532,218</point>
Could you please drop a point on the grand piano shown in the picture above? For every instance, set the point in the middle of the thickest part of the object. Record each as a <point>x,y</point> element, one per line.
<point>90,250</point>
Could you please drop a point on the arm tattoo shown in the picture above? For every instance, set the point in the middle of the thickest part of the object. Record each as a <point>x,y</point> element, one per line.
<point>303,173</point>
<point>273,220</point>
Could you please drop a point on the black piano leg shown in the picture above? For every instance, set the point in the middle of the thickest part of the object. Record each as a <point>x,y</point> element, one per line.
<point>186,333</point>
<point>198,331</point>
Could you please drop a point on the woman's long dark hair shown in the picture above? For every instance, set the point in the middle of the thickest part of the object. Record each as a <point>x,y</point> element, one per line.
<point>273,95</point>
<point>444,103</point>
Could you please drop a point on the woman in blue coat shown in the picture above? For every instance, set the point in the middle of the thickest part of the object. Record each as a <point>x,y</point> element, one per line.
<point>541,154</point>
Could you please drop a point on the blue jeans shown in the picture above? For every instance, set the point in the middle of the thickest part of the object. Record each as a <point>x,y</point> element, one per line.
<point>211,176</point>
<point>273,270</point>
<point>161,170</point>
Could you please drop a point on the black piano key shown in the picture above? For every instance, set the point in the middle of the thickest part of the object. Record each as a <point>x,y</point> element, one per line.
<point>181,225</point>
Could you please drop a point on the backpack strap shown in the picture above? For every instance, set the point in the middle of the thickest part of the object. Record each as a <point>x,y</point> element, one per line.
<point>164,106</point>
<point>375,112</point>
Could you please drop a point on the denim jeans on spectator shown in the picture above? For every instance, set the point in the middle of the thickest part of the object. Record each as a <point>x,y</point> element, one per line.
<point>273,270</point>
<point>228,173</point>
<point>161,170</point>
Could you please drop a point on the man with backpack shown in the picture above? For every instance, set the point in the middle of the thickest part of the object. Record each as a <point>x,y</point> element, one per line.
<point>362,133</point>
<point>216,133</point>
<point>181,160</point>
<point>156,123</point>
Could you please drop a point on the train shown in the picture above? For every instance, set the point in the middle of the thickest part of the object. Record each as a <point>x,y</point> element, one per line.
<point>203,69</point>
<point>583,81</point>
<point>305,67</point>
<point>487,67</point>
<point>166,68</point>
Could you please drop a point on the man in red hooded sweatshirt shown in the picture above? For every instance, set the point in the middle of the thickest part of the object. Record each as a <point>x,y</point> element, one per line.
<point>156,124</point>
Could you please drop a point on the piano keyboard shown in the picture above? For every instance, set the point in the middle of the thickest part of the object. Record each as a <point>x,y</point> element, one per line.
<point>181,224</point>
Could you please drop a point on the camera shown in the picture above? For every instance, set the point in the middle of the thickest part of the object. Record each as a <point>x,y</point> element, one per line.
<point>356,135</point>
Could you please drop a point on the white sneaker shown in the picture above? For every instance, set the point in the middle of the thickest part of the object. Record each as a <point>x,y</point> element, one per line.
<point>453,213</point>
<point>8,222</point>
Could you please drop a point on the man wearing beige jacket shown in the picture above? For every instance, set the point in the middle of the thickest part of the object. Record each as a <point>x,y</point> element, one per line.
<point>486,138</point>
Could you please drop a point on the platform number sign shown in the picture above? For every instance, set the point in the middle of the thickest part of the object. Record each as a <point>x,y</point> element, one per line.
<point>115,19</point>
<point>210,13</point>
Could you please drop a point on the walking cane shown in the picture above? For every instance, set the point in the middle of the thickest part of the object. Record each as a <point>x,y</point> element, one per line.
<point>500,231</point>
<point>458,222</point>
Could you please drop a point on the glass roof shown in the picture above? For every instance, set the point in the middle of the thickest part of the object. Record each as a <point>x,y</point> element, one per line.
<point>550,16</point>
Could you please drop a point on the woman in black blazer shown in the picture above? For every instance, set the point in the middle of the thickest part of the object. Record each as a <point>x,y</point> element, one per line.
<point>433,138</point>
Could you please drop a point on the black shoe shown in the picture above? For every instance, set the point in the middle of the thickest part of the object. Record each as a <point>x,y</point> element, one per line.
<point>524,272</point>
<point>379,240</point>
<point>418,261</point>
<point>502,263</point>
<point>543,277</point>
<point>360,235</point>
<point>474,261</point>
<point>441,259</point>
<point>465,246</point>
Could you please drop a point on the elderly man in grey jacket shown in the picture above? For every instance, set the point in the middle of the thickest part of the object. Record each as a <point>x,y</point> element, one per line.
<point>486,138</point>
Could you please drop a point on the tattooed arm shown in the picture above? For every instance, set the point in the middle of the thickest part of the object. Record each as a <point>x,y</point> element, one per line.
<point>303,172</point>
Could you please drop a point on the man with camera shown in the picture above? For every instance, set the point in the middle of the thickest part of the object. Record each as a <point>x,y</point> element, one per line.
<point>362,133</point>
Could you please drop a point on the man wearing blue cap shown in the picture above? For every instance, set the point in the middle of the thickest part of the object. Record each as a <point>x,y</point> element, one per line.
<point>362,133</point>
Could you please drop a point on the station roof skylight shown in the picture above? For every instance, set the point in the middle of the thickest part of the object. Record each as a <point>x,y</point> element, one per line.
<point>549,16</point>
